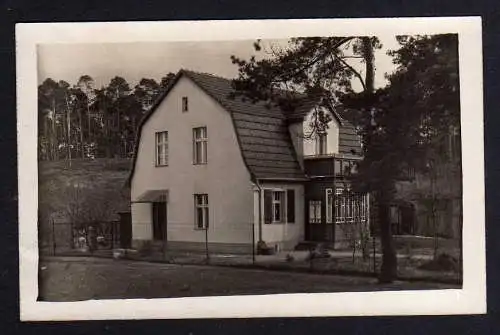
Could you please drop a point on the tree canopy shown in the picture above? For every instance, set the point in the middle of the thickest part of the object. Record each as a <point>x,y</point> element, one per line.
<point>82,121</point>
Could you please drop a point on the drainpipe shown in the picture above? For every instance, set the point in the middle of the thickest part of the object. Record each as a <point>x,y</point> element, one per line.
<point>256,181</point>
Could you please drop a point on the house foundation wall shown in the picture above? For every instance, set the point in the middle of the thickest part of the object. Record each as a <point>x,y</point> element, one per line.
<point>196,247</point>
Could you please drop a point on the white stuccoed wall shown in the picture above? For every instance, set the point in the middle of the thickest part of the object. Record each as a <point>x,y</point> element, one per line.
<point>286,235</point>
<point>225,178</point>
<point>141,221</point>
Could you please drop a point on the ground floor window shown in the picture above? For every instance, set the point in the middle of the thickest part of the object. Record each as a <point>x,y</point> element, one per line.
<point>279,206</point>
<point>201,211</point>
<point>315,211</point>
<point>345,206</point>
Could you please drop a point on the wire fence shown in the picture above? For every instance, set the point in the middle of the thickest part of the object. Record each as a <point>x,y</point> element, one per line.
<point>59,238</point>
<point>210,246</point>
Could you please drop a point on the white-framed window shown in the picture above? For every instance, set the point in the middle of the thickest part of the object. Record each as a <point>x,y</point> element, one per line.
<point>278,205</point>
<point>364,207</point>
<point>347,206</point>
<point>200,145</point>
<point>321,146</point>
<point>329,205</point>
<point>315,211</point>
<point>185,106</point>
<point>339,206</point>
<point>201,211</point>
<point>161,139</point>
<point>342,211</point>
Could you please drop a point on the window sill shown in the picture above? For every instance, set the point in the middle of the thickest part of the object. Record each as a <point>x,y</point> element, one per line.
<point>200,229</point>
<point>162,165</point>
<point>200,163</point>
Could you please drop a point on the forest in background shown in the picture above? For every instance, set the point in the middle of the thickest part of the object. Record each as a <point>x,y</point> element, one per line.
<point>82,121</point>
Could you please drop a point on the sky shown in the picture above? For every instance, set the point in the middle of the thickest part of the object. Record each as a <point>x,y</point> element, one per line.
<point>134,61</point>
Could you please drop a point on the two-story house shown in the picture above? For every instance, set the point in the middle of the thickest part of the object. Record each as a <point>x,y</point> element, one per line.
<point>208,167</point>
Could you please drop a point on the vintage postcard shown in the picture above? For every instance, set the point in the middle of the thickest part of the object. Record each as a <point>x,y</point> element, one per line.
<point>260,168</point>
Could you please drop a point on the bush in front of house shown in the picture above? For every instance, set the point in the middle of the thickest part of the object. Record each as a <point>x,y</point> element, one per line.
<point>264,249</point>
<point>319,251</point>
<point>443,262</point>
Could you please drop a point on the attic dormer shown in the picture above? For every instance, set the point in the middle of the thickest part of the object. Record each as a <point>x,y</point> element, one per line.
<point>320,129</point>
<point>308,139</point>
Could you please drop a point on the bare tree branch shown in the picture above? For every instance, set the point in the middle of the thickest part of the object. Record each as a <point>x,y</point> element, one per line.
<point>356,73</point>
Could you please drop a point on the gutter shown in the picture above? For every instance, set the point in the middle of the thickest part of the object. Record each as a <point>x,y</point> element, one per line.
<point>256,181</point>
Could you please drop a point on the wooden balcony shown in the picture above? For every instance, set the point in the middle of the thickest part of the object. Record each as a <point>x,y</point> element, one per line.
<point>332,165</point>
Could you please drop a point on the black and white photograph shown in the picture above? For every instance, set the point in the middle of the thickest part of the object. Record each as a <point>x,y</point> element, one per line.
<point>251,168</point>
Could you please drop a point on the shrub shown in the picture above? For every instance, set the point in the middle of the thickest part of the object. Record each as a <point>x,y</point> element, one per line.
<point>443,262</point>
<point>320,251</point>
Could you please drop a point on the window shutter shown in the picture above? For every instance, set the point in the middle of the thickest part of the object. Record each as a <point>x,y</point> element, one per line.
<point>290,201</point>
<point>268,206</point>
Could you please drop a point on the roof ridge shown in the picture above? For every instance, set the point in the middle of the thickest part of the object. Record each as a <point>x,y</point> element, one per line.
<point>188,71</point>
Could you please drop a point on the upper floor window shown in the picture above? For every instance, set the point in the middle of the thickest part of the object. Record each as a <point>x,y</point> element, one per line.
<point>200,145</point>
<point>162,148</point>
<point>185,106</point>
<point>321,143</point>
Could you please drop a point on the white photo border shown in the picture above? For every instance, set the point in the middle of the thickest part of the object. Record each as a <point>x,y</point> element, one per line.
<point>471,299</point>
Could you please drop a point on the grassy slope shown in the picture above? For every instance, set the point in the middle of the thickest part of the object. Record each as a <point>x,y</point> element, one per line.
<point>103,182</point>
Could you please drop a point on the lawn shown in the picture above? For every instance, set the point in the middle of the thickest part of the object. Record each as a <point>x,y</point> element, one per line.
<point>82,278</point>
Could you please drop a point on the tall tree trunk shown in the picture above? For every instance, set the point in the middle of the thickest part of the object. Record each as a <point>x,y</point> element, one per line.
<point>46,131</point>
<point>80,125</point>
<point>68,118</point>
<point>369,62</point>
<point>107,140</point>
<point>388,270</point>
<point>119,135</point>
<point>89,136</point>
<point>53,135</point>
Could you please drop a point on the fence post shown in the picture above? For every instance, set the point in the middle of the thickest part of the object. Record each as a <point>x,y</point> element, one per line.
<point>253,243</point>
<point>206,245</point>
<point>164,244</point>
<point>53,238</point>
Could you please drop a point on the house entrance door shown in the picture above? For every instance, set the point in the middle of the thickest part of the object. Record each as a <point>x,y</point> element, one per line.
<point>159,221</point>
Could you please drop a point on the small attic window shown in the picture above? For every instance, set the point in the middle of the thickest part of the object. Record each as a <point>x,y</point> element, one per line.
<point>184,104</point>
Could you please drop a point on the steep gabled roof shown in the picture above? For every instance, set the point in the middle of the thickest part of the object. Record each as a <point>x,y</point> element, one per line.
<point>262,131</point>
